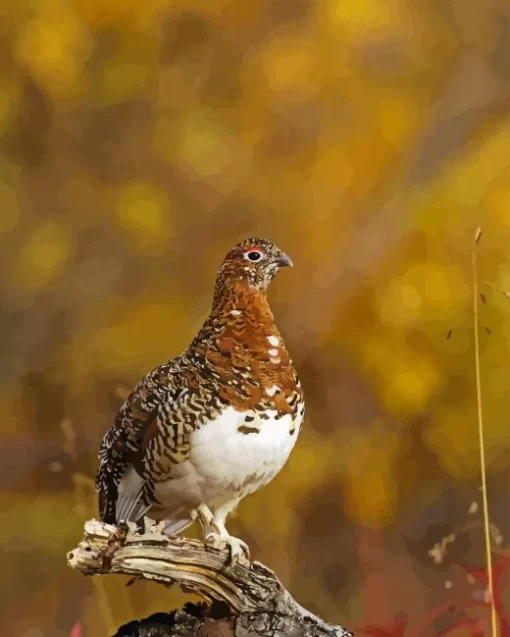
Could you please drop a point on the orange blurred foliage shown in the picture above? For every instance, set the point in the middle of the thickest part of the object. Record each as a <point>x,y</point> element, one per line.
<point>368,138</point>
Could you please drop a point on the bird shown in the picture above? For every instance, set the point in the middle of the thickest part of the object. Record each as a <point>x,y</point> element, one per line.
<point>204,430</point>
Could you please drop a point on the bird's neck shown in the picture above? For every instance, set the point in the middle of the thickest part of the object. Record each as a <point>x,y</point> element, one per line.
<point>238,298</point>
<point>241,312</point>
<point>230,289</point>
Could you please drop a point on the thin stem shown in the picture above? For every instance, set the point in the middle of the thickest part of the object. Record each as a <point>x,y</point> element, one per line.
<point>485,506</point>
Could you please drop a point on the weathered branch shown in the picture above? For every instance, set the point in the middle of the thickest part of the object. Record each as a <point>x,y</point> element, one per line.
<point>248,601</point>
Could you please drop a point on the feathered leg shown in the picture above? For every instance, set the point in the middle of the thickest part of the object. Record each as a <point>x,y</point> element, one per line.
<point>216,534</point>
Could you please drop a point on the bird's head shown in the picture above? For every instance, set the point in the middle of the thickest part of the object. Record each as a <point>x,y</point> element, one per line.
<point>253,261</point>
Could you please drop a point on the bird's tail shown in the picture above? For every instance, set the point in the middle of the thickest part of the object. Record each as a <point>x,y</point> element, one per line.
<point>177,521</point>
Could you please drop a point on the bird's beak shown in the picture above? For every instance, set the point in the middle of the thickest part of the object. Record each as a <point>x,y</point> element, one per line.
<point>284,260</point>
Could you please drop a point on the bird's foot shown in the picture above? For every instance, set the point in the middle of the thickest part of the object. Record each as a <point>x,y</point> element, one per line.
<point>204,514</point>
<point>239,552</point>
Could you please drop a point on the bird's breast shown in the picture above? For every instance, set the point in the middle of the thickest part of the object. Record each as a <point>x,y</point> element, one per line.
<point>243,450</point>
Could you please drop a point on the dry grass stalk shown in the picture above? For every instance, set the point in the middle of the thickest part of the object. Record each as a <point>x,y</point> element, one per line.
<point>485,506</point>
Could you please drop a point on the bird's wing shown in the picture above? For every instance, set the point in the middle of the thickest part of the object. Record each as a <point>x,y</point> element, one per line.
<point>123,480</point>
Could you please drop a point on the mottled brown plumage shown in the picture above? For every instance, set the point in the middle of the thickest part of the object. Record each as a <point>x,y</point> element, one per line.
<point>175,448</point>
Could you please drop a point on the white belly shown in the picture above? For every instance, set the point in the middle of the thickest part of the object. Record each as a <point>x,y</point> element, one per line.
<point>226,462</point>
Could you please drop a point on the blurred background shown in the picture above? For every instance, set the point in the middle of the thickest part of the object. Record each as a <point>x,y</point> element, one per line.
<point>368,138</point>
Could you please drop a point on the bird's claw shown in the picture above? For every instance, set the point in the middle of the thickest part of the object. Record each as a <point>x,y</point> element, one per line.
<point>239,551</point>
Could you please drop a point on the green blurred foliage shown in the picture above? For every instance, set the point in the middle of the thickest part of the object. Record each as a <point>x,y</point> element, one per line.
<point>368,138</point>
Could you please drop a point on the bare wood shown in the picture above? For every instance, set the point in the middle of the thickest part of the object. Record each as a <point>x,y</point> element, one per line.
<point>258,604</point>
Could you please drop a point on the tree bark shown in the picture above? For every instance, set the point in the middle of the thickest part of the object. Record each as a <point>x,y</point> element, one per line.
<point>244,600</point>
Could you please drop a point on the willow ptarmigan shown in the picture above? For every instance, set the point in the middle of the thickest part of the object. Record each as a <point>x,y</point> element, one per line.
<point>204,430</point>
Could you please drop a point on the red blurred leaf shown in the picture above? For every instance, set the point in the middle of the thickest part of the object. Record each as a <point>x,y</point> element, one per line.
<point>461,623</point>
<point>499,570</point>
<point>504,626</point>
<point>500,577</point>
<point>76,630</point>
<point>393,629</point>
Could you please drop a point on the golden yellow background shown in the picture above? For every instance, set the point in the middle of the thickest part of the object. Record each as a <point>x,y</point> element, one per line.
<point>368,139</point>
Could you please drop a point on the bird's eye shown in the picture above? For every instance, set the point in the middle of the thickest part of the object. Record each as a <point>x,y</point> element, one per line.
<point>253,255</point>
